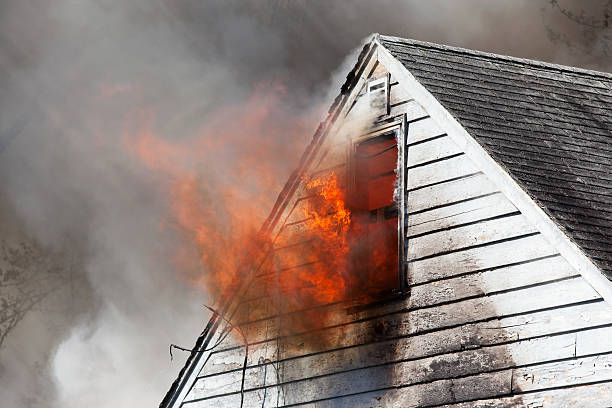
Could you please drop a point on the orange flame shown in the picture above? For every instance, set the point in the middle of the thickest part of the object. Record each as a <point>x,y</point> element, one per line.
<point>329,220</point>
<point>220,185</point>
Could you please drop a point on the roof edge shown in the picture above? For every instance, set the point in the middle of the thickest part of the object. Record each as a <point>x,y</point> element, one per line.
<point>525,61</point>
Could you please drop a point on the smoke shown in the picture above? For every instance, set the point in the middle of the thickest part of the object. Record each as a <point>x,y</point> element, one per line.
<point>79,79</point>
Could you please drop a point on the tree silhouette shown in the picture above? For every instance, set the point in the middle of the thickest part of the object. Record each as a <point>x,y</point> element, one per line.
<point>589,28</point>
<point>29,274</point>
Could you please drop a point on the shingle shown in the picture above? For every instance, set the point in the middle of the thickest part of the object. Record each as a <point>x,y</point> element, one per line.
<point>550,126</point>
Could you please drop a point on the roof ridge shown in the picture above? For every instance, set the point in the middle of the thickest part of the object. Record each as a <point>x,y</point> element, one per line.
<point>525,61</point>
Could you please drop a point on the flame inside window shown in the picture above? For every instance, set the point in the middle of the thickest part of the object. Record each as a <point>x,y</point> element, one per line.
<point>374,241</point>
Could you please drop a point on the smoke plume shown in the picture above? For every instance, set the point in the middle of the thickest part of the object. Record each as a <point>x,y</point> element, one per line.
<point>224,93</point>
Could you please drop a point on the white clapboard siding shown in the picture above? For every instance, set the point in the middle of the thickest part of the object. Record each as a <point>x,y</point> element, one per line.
<point>563,373</point>
<point>459,213</point>
<point>326,388</point>
<point>449,193</point>
<point>593,342</point>
<point>491,281</point>
<point>467,362</point>
<point>437,172</point>
<point>445,315</point>
<point>398,94</point>
<point>423,129</point>
<point>413,110</point>
<point>591,396</point>
<point>448,315</point>
<point>463,363</point>
<point>475,259</point>
<point>519,301</point>
<point>480,283</point>
<point>415,345</point>
<point>469,235</point>
<point>433,149</point>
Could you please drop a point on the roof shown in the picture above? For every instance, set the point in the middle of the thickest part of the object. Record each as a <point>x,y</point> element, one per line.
<point>549,126</point>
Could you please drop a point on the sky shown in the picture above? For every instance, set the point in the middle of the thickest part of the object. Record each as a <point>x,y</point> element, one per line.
<point>105,104</point>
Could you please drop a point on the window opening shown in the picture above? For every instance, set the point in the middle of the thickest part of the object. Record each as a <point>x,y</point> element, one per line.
<point>375,214</point>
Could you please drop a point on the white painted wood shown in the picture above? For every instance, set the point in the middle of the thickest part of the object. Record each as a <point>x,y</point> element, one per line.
<point>563,373</point>
<point>460,213</point>
<point>416,396</point>
<point>591,396</point>
<point>594,341</point>
<point>398,94</point>
<point>440,316</point>
<point>481,283</point>
<point>519,301</point>
<point>375,378</point>
<point>293,256</point>
<point>474,259</point>
<point>471,335</point>
<point>499,176</point>
<point>423,129</point>
<point>468,235</point>
<point>431,150</point>
<point>448,193</point>
<point>467,362</point>
<point>445,290</point>
<point>413,110</point>
<point>440,171</point>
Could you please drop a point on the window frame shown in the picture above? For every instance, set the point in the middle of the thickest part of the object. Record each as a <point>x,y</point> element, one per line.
<point>398,126</point>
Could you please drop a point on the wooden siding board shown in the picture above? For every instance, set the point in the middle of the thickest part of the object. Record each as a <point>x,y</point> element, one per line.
<point>563,373</point>
<point>469,235</point>
<point>592,396</point>
<point>481,283</point>
<point>449,193</point>
<point>412,371</point>
<point>475,259</point>
<point>439,316</point>
<point>458,166</point>
<point>417,345</point>
<point>519,301</point>
<point>460,213</point>
<point>446,290</point>
<point>423,129</point>
<point>433,149</point>
<point>326,390</point>
<point>464,371</point>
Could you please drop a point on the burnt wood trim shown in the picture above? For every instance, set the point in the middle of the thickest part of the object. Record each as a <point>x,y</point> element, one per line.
<point>403,205</point>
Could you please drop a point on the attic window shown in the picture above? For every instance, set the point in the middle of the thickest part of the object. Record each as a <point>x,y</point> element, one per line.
<point>375,214</point>
<point>378,85</point>
<point>378,93</point>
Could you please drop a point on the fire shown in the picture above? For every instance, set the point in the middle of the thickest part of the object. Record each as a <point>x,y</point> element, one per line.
<point>328,219</point>
<point>220,183</point>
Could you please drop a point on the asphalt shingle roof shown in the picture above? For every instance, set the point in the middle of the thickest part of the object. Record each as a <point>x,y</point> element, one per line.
<point>550,126</point>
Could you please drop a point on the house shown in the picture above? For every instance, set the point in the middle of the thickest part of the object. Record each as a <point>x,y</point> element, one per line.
<point>485,182</point>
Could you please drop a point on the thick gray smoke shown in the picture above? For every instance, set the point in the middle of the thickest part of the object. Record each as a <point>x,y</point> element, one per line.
<point>77,77</point>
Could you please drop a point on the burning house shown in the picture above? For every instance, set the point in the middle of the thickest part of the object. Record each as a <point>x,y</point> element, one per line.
<point>445,241</point>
